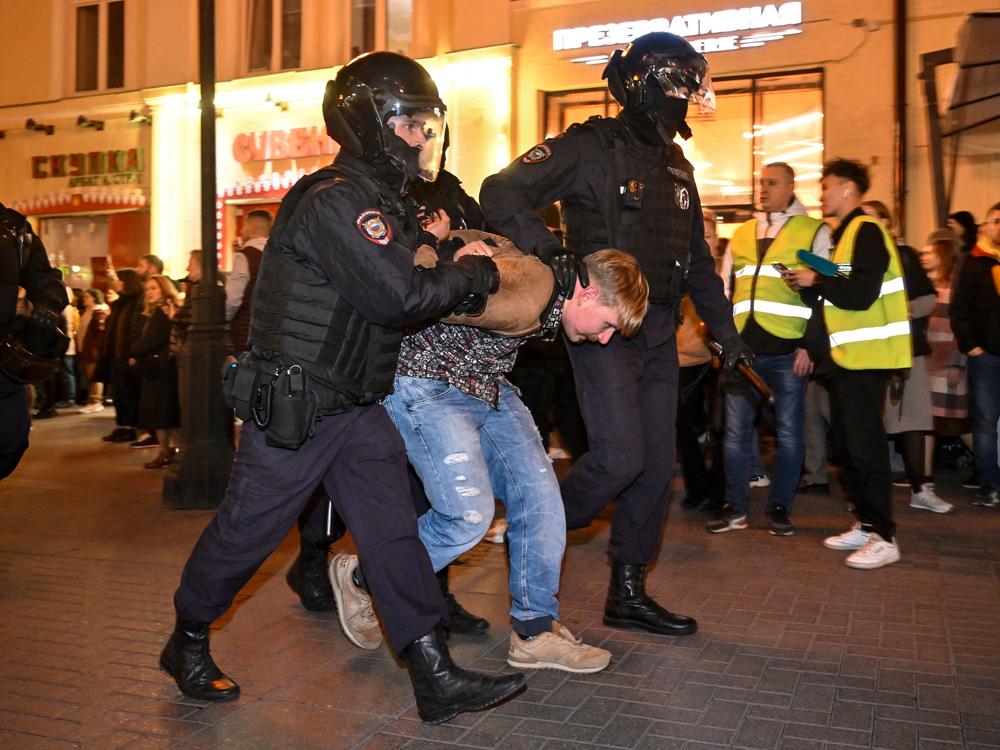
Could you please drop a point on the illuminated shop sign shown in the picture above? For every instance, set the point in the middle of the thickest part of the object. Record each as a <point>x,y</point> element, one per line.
<point>124,167</point>
<point>716,31</point>
<point>268,145</point>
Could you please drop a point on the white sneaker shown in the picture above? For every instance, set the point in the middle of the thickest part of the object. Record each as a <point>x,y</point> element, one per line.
<point>91,408</point>
<point>855,538</point>
<point>927,499</point>
<point>876,554</point>
<point>760,480</point>
<point>497,531</point>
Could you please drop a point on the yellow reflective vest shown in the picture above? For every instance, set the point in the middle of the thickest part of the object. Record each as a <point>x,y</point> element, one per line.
<point>877,338</point>
<point>758,288</point>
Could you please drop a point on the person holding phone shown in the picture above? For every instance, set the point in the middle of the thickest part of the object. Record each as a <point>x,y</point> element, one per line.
<point>772,320</point>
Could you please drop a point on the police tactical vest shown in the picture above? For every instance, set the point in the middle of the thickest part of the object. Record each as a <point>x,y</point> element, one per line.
<point>758,289</point>
<point>877,338</point>
<point>299,316</point>
<point>646,210</point>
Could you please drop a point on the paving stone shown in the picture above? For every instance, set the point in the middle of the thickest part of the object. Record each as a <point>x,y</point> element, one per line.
<point>819,657</point>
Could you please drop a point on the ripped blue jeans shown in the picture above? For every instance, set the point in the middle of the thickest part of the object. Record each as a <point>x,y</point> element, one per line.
<point>467,453</point>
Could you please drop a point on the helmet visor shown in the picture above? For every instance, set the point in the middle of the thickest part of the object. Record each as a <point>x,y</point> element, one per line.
<point>423,129</point>
<point>686,78</point>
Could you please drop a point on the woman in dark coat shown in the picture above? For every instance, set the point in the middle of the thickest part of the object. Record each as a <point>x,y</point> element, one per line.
<point>113,367</point>
<point>159,403</point>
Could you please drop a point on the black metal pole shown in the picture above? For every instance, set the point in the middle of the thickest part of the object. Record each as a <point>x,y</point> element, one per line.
<point>198,479</point>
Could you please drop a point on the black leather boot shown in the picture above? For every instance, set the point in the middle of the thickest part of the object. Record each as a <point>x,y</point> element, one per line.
<point>186,658</point>
<point>628,606</point>
<point>308,577</point>
<point>443,689</point>
<point>460,620</point>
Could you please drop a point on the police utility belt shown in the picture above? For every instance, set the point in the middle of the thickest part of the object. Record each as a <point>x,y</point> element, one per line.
<point>274,394</point>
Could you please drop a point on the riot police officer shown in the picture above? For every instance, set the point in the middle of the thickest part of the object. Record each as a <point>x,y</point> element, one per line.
<point>30,340</point>
<point>336,285</point>
<point>624,183</point>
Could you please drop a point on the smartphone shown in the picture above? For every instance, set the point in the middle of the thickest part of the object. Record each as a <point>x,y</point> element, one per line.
<point>780,267</point>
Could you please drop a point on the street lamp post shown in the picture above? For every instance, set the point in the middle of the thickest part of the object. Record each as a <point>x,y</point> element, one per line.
<point>198,479</point>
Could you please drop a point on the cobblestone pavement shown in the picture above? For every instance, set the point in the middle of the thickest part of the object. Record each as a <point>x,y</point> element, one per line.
<point>794,649</point>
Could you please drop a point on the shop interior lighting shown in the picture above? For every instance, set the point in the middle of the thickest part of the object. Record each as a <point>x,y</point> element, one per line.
<point>786,124</point>
<point>32,124</point>
<point>139,118</point>
<point>85,122</point>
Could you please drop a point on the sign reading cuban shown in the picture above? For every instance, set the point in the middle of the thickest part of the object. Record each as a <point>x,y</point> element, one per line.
<point>269,145</point>
<point>122,167</point>
<point>701,29</point>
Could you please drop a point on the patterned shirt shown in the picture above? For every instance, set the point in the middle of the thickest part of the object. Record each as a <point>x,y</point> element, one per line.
<point>470,359</point>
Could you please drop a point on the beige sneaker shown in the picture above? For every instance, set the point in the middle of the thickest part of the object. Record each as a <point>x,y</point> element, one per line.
<point>559,649</point>
<point>354,606</point>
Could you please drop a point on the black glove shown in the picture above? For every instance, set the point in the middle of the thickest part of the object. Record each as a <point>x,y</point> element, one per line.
<point>486,280</point>
<point>735,351</point>
<point>566,267</point>
<point>41,335</point>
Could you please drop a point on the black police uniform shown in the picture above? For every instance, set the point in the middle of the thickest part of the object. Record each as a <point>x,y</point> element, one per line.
<point>336,285</point>
<point>447,193</point>
<point>23,263</point>
<point>618,191</point>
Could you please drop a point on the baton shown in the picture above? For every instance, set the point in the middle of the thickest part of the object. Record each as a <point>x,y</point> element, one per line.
<point>746,371</point>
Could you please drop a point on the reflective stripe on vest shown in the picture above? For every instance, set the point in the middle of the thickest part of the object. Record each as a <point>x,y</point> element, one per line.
<point>877,338</point>
<point>758,288</point>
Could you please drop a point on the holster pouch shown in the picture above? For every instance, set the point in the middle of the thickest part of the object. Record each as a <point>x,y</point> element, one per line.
<point>239,380</point>
<point>274,395</point>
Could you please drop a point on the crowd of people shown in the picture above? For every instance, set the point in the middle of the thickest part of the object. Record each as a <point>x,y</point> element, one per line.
<point>124,343</point>
<point>385,322</point>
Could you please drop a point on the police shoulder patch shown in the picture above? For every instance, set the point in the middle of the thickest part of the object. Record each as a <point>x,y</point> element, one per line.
<point>539,153</point>
<point>373,226</point>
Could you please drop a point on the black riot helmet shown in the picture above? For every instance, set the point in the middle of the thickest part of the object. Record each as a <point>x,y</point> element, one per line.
<point>655,77</point>
<point>380,94</point>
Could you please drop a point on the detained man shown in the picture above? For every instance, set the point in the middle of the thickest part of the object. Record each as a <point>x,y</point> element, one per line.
<point>472,440</point>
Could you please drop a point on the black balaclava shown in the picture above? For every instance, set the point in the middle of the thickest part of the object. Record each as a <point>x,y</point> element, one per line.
<point>658,120</point>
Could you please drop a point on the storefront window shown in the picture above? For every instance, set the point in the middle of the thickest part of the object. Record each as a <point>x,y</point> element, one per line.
<point>759,120</point>
<point>362,26</point>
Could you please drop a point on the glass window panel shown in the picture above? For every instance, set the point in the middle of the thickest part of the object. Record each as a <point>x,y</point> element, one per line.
<point>399,25</point>
<point>261,24</point>
<point>362,26</point>
<point>86,47</point>
<point>722,159</point>
<point>116,45</point>
<point>759,120</point>
<point>789,128</point>
<point>291,34</point>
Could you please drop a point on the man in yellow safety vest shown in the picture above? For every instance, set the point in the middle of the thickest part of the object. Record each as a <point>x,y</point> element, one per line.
<point>771,319</point>
<point>865,337</point>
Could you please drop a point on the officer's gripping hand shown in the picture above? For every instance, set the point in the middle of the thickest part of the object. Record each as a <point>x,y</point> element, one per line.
<point>734,351</point>
<point>486,279</point>
<point>566,267</point>
<point>41,335</point>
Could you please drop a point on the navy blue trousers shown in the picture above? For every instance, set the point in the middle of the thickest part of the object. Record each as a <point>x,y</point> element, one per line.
<point>361,461</point>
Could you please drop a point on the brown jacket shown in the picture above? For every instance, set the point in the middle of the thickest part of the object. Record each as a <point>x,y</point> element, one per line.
<point>526,288</point>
